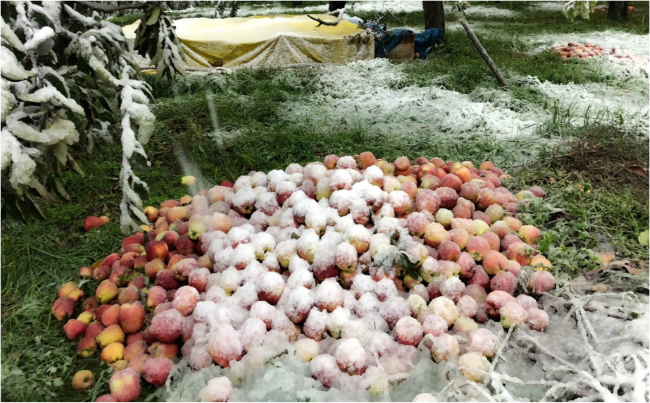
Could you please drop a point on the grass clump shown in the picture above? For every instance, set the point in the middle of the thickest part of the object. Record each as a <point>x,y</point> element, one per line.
<point>597,187</point>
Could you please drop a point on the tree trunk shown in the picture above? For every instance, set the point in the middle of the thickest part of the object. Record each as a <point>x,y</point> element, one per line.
<point>434,14</point>
<point>617,10</point>
<point>336,5</point>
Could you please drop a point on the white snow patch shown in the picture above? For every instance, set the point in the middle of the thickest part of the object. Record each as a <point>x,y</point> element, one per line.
<point>596,101</point>
<point>366,94</point>
<point>483,11</point>
<point>371,94</point>
<point>555,6</point>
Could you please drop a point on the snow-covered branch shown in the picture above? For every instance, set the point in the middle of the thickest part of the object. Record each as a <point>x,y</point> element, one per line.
<point>156,38</point>
<point>50,81</point>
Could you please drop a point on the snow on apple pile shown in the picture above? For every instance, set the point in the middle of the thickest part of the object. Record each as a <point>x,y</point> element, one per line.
<point>338,281</point>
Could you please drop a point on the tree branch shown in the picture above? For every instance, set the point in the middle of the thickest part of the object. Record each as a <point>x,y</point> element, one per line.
<point>97,6</point>
<point>329,23</point>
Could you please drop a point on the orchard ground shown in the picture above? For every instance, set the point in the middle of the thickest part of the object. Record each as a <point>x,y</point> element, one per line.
<point>577,128</point>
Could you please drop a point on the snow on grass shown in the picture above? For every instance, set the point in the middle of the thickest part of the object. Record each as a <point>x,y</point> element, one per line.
<point>553,6</point>
<point>352,8</point>
<point>372,94</point>
<point>599,102</point>
<point>416,6</point>
<point>249,9</point>
<point>383,6</point>
<point>482,11</point>
<point>376,95</point>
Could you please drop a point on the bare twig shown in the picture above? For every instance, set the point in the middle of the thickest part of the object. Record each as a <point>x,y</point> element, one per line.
<point>500,349</point>
<point>334,23</point>
<point>587,377</point>
<point>482,391</point>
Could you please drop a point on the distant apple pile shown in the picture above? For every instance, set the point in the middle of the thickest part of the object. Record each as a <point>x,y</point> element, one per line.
<point>587,50</point>
<point>602,9</point>
<point>382,256</point>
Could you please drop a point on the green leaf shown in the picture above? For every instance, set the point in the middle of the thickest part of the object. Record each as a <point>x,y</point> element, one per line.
<point>578,8</point>
<point>89,80</point>
<point>107,104</point>
<point>57,83</point>
<point>33,206</point>
<point>60,189</point>
<point>141,191</point>
<point>394,237</point>
<point>179,66</point>
<point>545,242</point>
<point>154,16</point>
<point>644,238</point>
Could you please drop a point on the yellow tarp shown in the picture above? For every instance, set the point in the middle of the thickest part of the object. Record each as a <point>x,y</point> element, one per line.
<point>275,40</point>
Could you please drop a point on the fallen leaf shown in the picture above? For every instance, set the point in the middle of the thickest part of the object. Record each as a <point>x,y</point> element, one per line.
<point>96,264</point>
<point>644,237</point>
<point>633,270</point>
<point>422,127</point>
<point>617,264</point>
<point>600,287</point>
<point>605,252</point>
<point>606,256</point>
<point>638,171</point>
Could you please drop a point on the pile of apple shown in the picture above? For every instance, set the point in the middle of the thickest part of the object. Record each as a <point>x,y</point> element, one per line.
<point>581,50</point>
<point>587,50</point>
<point>354,261</point>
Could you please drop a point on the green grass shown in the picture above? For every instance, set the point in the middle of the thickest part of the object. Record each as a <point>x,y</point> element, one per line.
<point>598,200</point>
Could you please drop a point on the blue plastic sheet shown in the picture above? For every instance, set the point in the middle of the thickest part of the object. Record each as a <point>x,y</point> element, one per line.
<point>389,40</point>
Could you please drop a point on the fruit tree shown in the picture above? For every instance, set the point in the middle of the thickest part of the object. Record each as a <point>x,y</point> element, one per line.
<point>69,82</point>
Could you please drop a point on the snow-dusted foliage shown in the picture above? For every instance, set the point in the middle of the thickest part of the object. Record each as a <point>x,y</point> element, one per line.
<point>579,8</point>
<point>226,8</point>
<point>157,39</point>
<point>58,66</point>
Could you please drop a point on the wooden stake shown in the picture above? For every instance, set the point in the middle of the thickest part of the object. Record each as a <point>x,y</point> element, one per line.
<point>480,48</point>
